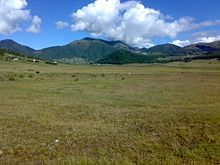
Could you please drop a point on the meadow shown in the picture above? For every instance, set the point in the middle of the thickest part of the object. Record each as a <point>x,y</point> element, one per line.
<point>121,114</point>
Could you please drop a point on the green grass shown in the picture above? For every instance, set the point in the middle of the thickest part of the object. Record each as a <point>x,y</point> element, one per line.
<point>87,114</point>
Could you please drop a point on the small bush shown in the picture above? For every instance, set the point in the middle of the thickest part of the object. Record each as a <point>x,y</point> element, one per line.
<point>30,75</point>
<point>76,79</point>
<point>93,75</point>
<point>21,76</point>
<point>73,75</point>
<point>11,77</point>
<point>2,78</point>
<point>39,78</point>
<point>103,74</point>
<point>49,75</point>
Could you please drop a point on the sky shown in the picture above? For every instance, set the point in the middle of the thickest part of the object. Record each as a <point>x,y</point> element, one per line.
<point>143,23</point>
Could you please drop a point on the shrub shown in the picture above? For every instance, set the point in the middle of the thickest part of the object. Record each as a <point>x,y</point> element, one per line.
<point>21,75</point>
<point>2,78</point>
<point>11,77</point>
<point>39,78</point>
<point>31,75</point>
<point>76,79</point>
<point>93,75</point>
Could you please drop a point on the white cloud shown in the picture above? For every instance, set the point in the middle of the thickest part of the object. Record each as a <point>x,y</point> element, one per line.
<point>204,39</point>
<point>61,25</point>
<point>141,42</point>
<point>12,14</point>
<point>207,39</point>
<point>181,43</point>
<point>130,22</point>
<point>35,26</point>
<point>209,23</point>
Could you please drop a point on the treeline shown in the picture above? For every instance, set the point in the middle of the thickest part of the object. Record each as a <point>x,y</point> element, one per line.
<point>4,51</point>
<point>206,56</point>
<point>127,57</point>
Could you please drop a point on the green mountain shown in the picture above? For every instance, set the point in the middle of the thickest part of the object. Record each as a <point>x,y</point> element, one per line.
<point>96,50</point>
<point>88,48</point>
<point>119,45</point>
<point>85,48</point>
<point>168,49</point>
<point>165,53</point>
<point>195,49</point>
<point>204,47</point>
<point>14,46</point>
<point>215,44</point>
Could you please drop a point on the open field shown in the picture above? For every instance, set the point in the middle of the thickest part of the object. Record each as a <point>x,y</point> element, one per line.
<point>129,114</point>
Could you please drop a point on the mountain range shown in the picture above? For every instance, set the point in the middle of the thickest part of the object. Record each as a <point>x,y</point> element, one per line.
<point>93,50</point>
<point>16,47</point>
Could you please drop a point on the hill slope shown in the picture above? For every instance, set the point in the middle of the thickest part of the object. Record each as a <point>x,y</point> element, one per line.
<point>204,47</point>
<point>90,49</point>
<point>14,46</point>
<point>127,57</point>
<point>168,49</point>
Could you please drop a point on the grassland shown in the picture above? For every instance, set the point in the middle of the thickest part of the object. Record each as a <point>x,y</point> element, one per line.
<point>130,114</point>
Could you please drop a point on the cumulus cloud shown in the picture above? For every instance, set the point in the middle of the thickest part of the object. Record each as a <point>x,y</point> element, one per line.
<point>35,26</point>
<point>130,22</point>
<point>12,13</point>
<point>61,25</point>
<point>181,43</point>
<point>207,39</point>
<point>204,39</point>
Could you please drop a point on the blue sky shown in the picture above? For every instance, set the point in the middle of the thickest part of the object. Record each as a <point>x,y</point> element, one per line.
<point>138,23</point>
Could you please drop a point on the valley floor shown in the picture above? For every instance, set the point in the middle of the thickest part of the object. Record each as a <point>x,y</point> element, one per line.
<point>129,114</point>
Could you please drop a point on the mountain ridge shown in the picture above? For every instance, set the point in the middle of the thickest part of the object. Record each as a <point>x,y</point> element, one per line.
<point>93,50</point>
<point>14,46</point>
